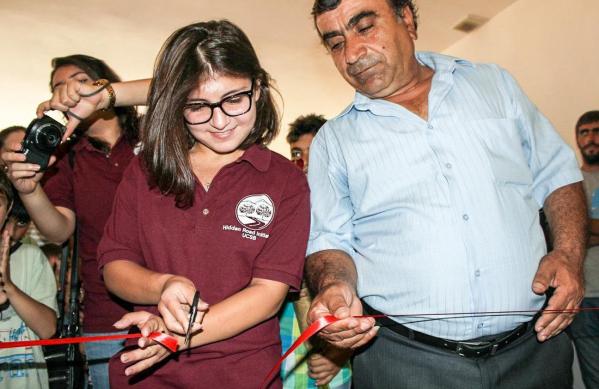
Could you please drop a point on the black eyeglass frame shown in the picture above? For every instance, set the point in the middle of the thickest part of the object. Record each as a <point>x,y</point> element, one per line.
<point>219,104</point>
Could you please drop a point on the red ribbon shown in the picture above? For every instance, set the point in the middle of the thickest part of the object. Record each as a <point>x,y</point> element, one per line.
<point>166,340</point>
<point>307,334</point>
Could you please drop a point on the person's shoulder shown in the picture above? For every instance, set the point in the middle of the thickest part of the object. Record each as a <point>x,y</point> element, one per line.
<point>28,254</point>
<point>283,164</point>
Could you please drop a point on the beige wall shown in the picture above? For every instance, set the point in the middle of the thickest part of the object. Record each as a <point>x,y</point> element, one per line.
<point>552,48</point>
<point>128,34</point>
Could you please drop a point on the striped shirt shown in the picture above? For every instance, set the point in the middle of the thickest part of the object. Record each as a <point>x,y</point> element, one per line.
<point>441,215</point>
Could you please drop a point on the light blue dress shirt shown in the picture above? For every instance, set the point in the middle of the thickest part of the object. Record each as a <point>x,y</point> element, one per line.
<point>441,216</point>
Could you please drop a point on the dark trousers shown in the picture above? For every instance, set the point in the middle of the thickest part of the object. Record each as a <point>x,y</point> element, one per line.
<point>584,331</point>
<point>393,361</point>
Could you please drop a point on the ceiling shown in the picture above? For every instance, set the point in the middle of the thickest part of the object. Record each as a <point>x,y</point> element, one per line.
<point>438,18</point>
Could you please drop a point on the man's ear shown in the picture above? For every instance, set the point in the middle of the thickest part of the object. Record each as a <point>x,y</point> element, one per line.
<point>408,19</point>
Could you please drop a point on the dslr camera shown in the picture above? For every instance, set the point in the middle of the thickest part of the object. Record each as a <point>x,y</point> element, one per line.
<point>42,137</point>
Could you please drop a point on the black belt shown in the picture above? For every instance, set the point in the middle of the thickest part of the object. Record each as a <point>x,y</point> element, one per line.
<point>468,349</point>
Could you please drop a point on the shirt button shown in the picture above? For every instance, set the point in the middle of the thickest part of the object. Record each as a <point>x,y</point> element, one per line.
<point>205,211</point>
<point>477,273</point>
<point>465,217</point>
<point>448,165</point>
<point>116,164</point>
<point>429,126</point>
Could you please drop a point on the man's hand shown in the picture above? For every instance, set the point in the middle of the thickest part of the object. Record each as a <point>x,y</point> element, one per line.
<point>340,300</point>
<point>149,352</point>
<point>324,367</point>
<point>565,275</point>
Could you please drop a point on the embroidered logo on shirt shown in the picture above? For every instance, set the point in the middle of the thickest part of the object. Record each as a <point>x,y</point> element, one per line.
<point>255,212</point>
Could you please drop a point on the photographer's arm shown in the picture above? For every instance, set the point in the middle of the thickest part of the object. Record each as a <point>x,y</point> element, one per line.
<point>70,97</point>
<point>55,223</point>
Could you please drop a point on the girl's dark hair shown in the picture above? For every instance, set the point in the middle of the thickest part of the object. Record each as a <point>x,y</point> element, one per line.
<point>97,69</point>
<point>190,55</point>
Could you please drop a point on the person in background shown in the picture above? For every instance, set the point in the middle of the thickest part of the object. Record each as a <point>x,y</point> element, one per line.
<point>27,303</point>
<point>81,192</point>
<point>584,330</point>
<point>301,133</point>
<point>324,364</point>
<point>425,195</point>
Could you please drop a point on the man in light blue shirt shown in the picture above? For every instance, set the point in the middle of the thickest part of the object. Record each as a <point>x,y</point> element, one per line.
<point>425,199</point>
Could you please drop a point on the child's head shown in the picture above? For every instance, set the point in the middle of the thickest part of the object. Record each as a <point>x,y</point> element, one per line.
<point>208,88</point>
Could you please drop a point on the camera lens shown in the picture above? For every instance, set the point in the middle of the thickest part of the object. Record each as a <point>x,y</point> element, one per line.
<point>48,137</point>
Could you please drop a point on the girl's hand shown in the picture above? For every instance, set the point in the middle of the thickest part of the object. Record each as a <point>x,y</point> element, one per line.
<point>175,303</point>
<point>79,100</point>
<point>149,352</point>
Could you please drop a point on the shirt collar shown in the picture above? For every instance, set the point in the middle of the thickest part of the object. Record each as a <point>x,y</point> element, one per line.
<point>443,65</point>
<point>258,156</point>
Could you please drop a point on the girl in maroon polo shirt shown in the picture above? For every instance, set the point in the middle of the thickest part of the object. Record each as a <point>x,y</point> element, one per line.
<point>206,207</point>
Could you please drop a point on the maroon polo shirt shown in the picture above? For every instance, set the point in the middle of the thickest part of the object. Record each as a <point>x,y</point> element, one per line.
<point>253,222</point>
<point>88,190</point>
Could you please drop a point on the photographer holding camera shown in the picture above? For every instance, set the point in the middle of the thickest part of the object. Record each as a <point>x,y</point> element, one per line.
<point>81,192</point>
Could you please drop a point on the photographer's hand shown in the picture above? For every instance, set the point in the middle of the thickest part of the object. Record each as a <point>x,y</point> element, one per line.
<point>24,176</point>
<point>78,100</point>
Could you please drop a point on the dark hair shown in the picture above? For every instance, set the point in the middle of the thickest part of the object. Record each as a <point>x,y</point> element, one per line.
<point>18,210</point>
<point>189,55</point>
<point>6,189</point>
<point>97,69</point>
<point>322,6</point>
<point>7,131</point>
<point>587,117</point>
<point>308,124</point>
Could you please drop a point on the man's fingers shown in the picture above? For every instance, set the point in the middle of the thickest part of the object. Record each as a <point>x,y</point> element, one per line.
<point>367,338</point>
<point>543,278</point>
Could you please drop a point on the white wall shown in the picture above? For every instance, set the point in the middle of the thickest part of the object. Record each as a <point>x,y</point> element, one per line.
<point>128,34</point>
<point>552,48</point>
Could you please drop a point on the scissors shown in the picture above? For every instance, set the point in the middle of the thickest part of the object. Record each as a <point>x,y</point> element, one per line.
<point>192,316</point>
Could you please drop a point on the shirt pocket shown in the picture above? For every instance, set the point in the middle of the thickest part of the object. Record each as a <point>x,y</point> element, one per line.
<point>504,149</point>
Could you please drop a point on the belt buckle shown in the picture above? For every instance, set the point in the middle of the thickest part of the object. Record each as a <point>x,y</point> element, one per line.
<point>477,349</point>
